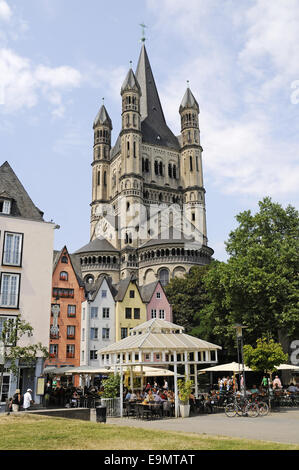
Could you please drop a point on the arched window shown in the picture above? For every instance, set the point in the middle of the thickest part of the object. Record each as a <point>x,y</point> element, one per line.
<point>105,178</point>
<point>99,178</point>
<point>164,276</point>
<point>64,276</point>
<point>64,259</point>
<point>191,163</point>
<point>174,171</point>
<point>161,168</point>
<point>156,168</point>
<point>170,170</point>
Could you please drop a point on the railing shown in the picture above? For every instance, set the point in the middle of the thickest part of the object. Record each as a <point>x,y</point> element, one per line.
<point>112,405</point>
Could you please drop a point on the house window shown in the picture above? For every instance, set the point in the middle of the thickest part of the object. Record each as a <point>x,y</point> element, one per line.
<point>137,313</point>
<point>105,333</point>
<point>161,314</point>
<point>132,294</point>
<point>128,312</point>
<point>53,350</point>
<point>57,292</point>
<point>64,259</point>
<point>193,216</point>
<point>83,334</point>
<point>123,333</point>
<point>158,295</point>
<point>7,325</point>
<point>64,276</point>
<point>93,355</point>
<point>70,332</point>
<point>70,351</point>
<point>94,312</point>
<point>154,313</point>
<point>5,206</point>
<point>104,293</point>
<point>71,311</point>
<point>105,312</point>
<point>93,333</point>
<point>12,249</point>
<point>191,163</point>
<point>9,291</point>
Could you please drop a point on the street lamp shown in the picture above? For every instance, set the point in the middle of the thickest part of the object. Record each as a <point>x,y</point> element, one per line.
<point>239,331</point>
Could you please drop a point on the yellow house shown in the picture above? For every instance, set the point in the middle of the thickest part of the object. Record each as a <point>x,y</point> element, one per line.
<point>130,310</point>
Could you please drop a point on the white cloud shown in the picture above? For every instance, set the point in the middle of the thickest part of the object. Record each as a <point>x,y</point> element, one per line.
<point>5,11</point>
<point>241,65</point>
<point>23,84</point>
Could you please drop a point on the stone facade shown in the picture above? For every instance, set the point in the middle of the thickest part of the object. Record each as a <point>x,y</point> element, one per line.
<point>149,182</point>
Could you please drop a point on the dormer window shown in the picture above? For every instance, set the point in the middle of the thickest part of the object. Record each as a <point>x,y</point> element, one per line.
<point>5,206</point>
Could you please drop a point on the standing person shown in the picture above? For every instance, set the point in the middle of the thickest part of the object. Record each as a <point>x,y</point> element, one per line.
<point>165,386</point>
<point>264,382</point>
<point>27,400</point>
<point>17,400</point>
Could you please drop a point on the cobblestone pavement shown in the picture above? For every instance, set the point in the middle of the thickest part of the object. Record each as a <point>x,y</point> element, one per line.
<point>282,426</point>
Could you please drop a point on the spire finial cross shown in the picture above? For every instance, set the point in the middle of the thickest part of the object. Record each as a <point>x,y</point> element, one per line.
<point>143,26</point>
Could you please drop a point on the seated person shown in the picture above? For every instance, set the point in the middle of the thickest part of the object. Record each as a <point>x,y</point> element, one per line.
<point>254,390</point>
<point>157,398</point>
<point>292,388</point>
<point>133,397</point>
<point>128,395</point>
<point>276,383</point>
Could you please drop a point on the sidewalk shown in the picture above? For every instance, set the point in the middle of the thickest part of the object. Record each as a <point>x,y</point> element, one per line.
<point>282,426</point>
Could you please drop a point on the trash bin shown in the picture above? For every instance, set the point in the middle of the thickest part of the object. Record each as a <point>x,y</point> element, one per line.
<point>101,413</point>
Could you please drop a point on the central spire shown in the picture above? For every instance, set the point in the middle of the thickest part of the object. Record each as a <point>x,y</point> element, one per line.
<point>153,125</point>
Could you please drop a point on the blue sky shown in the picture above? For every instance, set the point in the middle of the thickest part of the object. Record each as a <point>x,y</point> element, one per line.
<point>58,58</point>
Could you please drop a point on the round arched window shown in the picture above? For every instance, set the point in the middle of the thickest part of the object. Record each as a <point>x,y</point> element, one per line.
<point>164,276</point>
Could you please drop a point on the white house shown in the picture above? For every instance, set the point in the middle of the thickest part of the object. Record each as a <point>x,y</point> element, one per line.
<point>98,320</point>
<point>26,252</point>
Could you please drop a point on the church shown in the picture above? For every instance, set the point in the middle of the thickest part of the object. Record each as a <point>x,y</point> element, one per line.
<point>148,212</point>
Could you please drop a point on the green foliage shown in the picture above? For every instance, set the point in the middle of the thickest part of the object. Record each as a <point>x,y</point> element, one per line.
<point>13,330</point>
<point>184,388</point>
<point>265,357</point>
<point>188,296</point>
<point>258,286</point>
<point>111,386</point>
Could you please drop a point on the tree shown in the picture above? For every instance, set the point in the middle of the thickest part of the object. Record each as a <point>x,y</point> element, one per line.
<point>265,357</point>
<point>12,331</point>
<point>188,296</point>
<point>258,285</point>
<point>111,386</point>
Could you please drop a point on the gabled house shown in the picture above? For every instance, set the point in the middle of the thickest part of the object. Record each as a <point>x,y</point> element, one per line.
<point>26,248</point>
<point>130,308</point>
<point>157,304</point>
<point>98,320</point>
<point>68,293</point>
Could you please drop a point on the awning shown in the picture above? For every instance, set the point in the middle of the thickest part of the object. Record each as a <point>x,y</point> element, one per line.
<point>230,367</point>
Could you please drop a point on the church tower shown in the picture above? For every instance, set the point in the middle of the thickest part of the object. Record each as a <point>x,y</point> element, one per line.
<point>102,127</point>
<point>191,167</point>
<point>148,214</point>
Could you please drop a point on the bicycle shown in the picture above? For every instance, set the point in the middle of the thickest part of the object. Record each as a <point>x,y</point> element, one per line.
<point>241,408</point>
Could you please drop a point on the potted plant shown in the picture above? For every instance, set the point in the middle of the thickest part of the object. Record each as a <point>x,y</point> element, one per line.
<point>184,389</point>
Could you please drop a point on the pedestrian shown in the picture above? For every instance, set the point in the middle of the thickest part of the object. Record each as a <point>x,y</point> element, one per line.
<point>17,400</point>
<point>276,383</point>
<point>165,386</point>
<point>264,382</point>
<point>28,400</point>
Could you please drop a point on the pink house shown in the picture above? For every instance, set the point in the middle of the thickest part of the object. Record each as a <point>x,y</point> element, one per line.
<point>157,306</point>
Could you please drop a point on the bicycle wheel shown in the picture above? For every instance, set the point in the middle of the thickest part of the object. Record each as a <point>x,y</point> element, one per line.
<point>263,408</point>
<point>230,410</point>
<point>252,410</point>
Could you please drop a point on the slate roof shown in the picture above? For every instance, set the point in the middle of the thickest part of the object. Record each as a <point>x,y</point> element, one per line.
<point>94,288</point>
<point>153,125</point>
<point>189,101</point>
<point>148,290</point>
<point>171,236</point>
<point>11,187</point>
<point>97,245</point>
<point>102,118</point>
<point>130,83</point>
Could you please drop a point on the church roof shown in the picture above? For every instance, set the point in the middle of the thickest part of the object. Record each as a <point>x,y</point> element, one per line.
<point>102,118</point>
<point>189,101</point>
<point>97,245</point>
<point>172,236</point>
<point>153,125</point>
<point>11,187</point>
<point>130,83</point>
